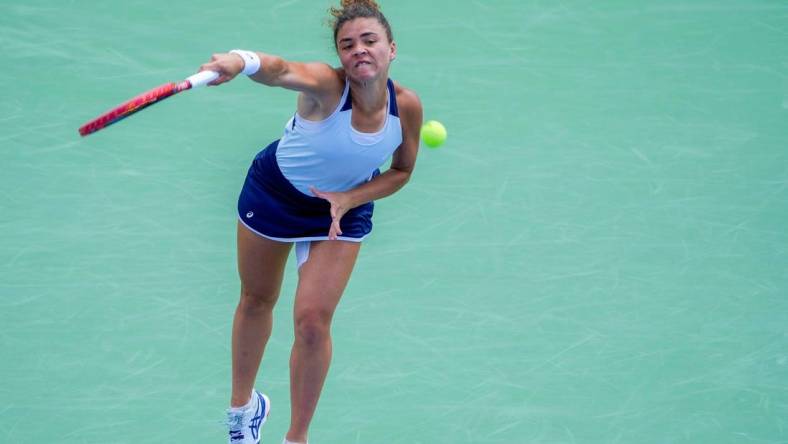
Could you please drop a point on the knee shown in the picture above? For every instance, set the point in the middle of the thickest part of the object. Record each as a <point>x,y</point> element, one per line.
<point>312,327</point>
<point>255,302</point>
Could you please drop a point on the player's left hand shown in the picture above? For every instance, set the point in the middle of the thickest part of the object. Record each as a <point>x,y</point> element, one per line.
<point>340,204</point>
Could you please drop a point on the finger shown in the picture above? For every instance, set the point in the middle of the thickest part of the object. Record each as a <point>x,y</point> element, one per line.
<point>210,66</point>
<point>317,192</point>
<point>219,80</point>
<point>321,194</point>
<point>336,226</point>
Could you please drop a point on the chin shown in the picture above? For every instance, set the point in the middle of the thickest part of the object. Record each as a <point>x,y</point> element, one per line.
<point>365,76</point>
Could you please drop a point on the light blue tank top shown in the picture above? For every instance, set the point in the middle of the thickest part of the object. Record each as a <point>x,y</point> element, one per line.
<point>330,154</point>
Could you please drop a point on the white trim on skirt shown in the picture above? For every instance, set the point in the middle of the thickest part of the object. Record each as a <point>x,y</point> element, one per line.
<point>302,243</point>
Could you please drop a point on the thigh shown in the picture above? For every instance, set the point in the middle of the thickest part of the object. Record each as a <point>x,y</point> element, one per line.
<point>323,278</point>
<point>261,264</point>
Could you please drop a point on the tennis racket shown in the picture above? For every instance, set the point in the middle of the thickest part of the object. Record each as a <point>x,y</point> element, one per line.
<point>145,100</point>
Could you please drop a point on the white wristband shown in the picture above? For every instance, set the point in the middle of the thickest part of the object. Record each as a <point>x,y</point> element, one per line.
<point>251,61</point>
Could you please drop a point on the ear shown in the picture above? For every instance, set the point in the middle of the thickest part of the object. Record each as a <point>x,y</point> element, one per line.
<point>393,51</point>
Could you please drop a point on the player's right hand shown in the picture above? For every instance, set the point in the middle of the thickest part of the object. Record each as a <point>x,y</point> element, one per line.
<point>228,66</point>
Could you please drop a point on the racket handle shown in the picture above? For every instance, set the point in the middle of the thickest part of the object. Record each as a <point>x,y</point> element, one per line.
<point>202,78</point>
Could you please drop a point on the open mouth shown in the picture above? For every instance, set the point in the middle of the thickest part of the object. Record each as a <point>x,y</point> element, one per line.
<point>362,63</point>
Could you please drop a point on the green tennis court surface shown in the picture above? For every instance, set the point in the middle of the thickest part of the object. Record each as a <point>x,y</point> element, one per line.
<point>598,254</point>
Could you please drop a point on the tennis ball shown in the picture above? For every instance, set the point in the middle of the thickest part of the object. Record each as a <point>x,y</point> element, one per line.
<point>433,133</point>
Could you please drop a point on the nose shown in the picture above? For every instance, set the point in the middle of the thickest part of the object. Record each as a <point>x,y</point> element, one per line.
<point>359,50</point>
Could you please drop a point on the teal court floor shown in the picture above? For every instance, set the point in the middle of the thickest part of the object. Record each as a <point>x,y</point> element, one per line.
<point>598,254</point>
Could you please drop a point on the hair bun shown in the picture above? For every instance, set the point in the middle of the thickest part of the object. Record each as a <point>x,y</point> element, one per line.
<point>368,3</point>
<point>347,5</point>
<point>353,9</point>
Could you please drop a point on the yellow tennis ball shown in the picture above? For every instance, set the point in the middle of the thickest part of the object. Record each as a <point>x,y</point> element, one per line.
<point>433,133</point>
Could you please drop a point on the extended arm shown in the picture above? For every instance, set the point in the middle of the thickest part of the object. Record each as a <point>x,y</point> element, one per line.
<point>319,84</point>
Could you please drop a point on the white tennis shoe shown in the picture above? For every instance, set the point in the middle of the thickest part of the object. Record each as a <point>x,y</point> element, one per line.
<point>244,425</point>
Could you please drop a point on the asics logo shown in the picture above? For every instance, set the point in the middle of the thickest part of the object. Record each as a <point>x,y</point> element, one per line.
<point>257,420</point>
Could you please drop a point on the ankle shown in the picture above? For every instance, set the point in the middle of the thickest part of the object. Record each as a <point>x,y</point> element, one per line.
<point>242,403</point>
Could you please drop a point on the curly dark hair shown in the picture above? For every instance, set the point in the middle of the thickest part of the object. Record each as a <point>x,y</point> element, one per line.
<point>353,9</point>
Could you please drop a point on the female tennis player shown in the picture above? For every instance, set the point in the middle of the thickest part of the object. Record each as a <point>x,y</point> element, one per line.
<point>314,188</point>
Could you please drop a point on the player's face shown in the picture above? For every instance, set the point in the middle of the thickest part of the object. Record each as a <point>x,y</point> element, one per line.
<point>364,49</point>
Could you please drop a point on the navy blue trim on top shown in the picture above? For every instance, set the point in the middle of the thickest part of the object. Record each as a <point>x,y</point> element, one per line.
<point>348,101</point>
<point>393,108</point>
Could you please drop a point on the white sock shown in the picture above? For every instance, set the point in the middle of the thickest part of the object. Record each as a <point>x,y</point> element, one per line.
<point>244,407</point>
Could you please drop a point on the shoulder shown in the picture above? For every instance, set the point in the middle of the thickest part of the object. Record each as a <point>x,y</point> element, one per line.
<point>318,79</point>
<point>410,111</point>
<point>320,98</point>
<point>331,79</point>
<point>407,100</point>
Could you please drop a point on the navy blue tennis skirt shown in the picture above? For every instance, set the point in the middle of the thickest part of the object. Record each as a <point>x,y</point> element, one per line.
<point>271,206</point>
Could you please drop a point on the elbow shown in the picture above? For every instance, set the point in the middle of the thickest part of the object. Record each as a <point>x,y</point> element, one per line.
<point>404,177</point>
